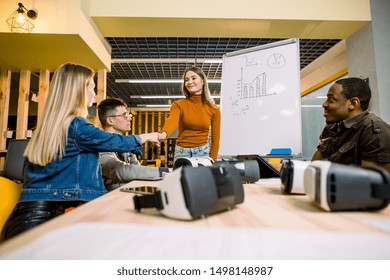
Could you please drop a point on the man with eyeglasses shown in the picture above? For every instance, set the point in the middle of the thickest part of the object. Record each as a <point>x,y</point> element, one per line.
<point>119,168</point>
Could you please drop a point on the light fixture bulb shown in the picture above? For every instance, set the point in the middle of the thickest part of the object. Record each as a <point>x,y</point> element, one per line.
<point>20,18</point>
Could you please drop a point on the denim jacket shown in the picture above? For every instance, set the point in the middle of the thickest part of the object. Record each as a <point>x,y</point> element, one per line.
<point>77,176</point>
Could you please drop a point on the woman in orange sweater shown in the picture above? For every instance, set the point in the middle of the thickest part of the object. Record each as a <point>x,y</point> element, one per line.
<point>195,116</point>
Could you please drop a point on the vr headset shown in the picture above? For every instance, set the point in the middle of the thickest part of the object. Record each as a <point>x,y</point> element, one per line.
<point>337,187</point>
<point>192,161</point>
<point>190,193</point>
<point>249,169</point>
<point>265,168</point>
<point>292,175</point>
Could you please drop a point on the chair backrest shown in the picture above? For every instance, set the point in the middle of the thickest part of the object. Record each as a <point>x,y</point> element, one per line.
<point>14,160</point>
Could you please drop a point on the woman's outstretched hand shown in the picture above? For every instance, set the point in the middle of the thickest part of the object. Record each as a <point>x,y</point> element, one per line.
<point>150,137</point>
<point>162,136</point>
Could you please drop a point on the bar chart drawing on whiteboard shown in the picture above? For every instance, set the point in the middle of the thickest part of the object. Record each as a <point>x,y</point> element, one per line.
<point>248,88</point>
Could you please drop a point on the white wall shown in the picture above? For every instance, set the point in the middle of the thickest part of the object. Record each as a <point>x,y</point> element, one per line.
<point>369,57</point>
<point>380,11</point>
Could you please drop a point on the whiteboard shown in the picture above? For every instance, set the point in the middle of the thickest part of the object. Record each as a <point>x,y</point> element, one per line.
<point>260,100</point>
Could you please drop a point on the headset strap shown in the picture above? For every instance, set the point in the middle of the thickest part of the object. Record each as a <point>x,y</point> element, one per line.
<point>380,191</point>
<point>148,201</point>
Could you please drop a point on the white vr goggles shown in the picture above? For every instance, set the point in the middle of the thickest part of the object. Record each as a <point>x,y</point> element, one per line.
<point>337,187</point>
<point>292,175</point>
<point>189,193</point>
<point>192,161</point>
<point>249,169</point>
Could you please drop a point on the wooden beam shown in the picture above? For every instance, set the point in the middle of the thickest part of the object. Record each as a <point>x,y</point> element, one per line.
<point>139,128</point>
<point>159,130</point>
<point>100,93</point>
<point>166,141</point>
<point>133,120</point>
<point>101,85</point>
<point>146,129</point>
<point>5,89</point>
<point>44,82</point>
<point>23,104</point>
<point>153,129</point>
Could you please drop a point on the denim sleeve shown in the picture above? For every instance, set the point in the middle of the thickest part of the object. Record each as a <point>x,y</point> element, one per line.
<point>90,138</point>
<point>138,138</point>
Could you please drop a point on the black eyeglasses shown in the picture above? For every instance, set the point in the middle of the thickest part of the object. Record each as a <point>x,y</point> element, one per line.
<point>124,115</point>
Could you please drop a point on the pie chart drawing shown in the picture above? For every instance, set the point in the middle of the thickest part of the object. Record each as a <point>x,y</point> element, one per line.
<point>276,60</point>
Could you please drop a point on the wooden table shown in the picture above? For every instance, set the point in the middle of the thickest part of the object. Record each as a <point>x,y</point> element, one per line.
<point>268,225</point>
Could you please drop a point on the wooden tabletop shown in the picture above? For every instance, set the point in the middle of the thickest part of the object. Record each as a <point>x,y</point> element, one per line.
<point>265,208</point>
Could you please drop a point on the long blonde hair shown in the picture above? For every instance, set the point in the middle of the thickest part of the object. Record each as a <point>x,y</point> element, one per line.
<point>206,96</point>
<point>67,98</point>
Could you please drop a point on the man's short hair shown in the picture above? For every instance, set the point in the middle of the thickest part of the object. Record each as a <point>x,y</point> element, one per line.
<point>356,87</point>
<point>109,107</point>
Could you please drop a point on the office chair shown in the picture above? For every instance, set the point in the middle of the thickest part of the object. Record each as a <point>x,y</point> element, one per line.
<point>14,160</point>
<point>12,179</point>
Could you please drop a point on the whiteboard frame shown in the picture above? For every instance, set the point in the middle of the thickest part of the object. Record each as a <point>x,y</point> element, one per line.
<point>297,146</point>
<point>263,47</point>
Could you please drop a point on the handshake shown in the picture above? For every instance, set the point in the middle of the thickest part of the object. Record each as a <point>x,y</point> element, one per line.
<point>154,137</point>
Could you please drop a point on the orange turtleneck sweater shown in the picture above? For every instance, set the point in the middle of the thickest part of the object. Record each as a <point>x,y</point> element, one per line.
<point>194,120</point>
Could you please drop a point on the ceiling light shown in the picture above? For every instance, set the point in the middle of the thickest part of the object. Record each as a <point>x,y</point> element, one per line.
<point>22,22</point>
<point>209,60</point>
<point>157,81</point>
<point>167,60</point>
<point>154,105</point>
<point>150,81</point>
<point>156,96</point>
<point>164,96</point>
<point>153,60</point>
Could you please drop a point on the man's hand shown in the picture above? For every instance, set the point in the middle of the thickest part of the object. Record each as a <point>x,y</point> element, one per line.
<point>162,136</point>
<point>150,137</point>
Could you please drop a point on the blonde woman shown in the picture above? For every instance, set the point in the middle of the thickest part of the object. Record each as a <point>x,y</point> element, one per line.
<point>62,158</point>
<point>196,116</point>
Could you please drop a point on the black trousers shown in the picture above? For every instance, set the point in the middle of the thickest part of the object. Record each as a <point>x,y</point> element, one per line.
<point>29,214</point>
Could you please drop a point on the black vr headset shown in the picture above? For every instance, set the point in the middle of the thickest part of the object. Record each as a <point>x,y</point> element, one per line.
<point>337,187</point>
<point>249,169</point>
<point>189,193</point>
